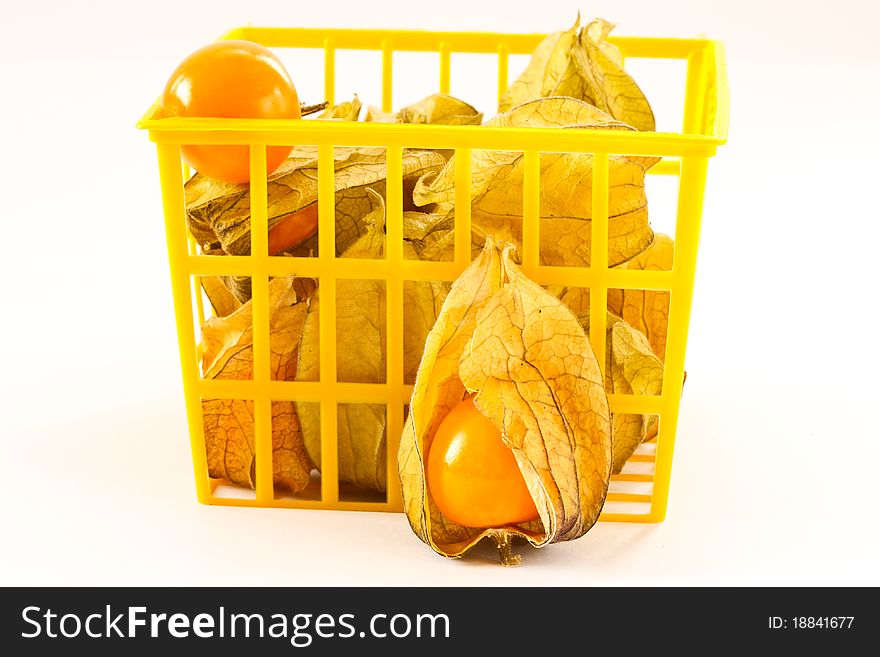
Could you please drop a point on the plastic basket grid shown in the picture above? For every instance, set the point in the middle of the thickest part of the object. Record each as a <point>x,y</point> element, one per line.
<point>685,155</point>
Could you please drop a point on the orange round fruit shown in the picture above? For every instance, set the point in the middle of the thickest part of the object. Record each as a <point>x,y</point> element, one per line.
<point>473,476</point>
<point>233,80</point>
<point>293,229</point>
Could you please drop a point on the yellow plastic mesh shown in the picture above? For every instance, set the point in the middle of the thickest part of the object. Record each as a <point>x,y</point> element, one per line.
<point>685,155</point>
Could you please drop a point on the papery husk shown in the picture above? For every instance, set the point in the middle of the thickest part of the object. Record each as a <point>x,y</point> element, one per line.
<point>526,357</point>
<point>582,64</point>
<point>219,212</point>
<point>229,423</point>
<point>223,301</point>
<point>647,310</point>
<point>566,188</point>
<point>347,111</point>
<point>436,108</point>
<point>361,355</point>
<point>631,368</point>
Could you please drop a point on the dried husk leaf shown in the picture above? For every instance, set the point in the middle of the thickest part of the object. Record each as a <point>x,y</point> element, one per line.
<point>631,368</point>
<point>556,112</point>
<point>432,234</point>
<point>548,63</point>
<point>583,65</point>
<point>361,349</point>
<point>436,108</point>
<point>647,310</point>
<point>376,115</point>
<point>347,111</point>
<point>420,227</point>
<point>566,189</point>
<point>219,212</point>
<point>608,85</point>
<point>223,301</point>
<point>229,423</point>
<point>527,358</point>
<point>440,108</point>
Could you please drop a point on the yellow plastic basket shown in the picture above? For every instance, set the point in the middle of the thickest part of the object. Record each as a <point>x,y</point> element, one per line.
<point>684,155</point>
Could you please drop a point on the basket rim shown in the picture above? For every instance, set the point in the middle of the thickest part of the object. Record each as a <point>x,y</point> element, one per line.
<point>263,131</point>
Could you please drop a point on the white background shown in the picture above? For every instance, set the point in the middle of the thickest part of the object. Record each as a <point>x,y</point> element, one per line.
<point>775,472</point>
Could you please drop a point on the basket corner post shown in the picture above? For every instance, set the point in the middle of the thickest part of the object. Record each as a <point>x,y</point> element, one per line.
<point>203,493</point>
<point>657,514</point>
<point>171,179</point>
